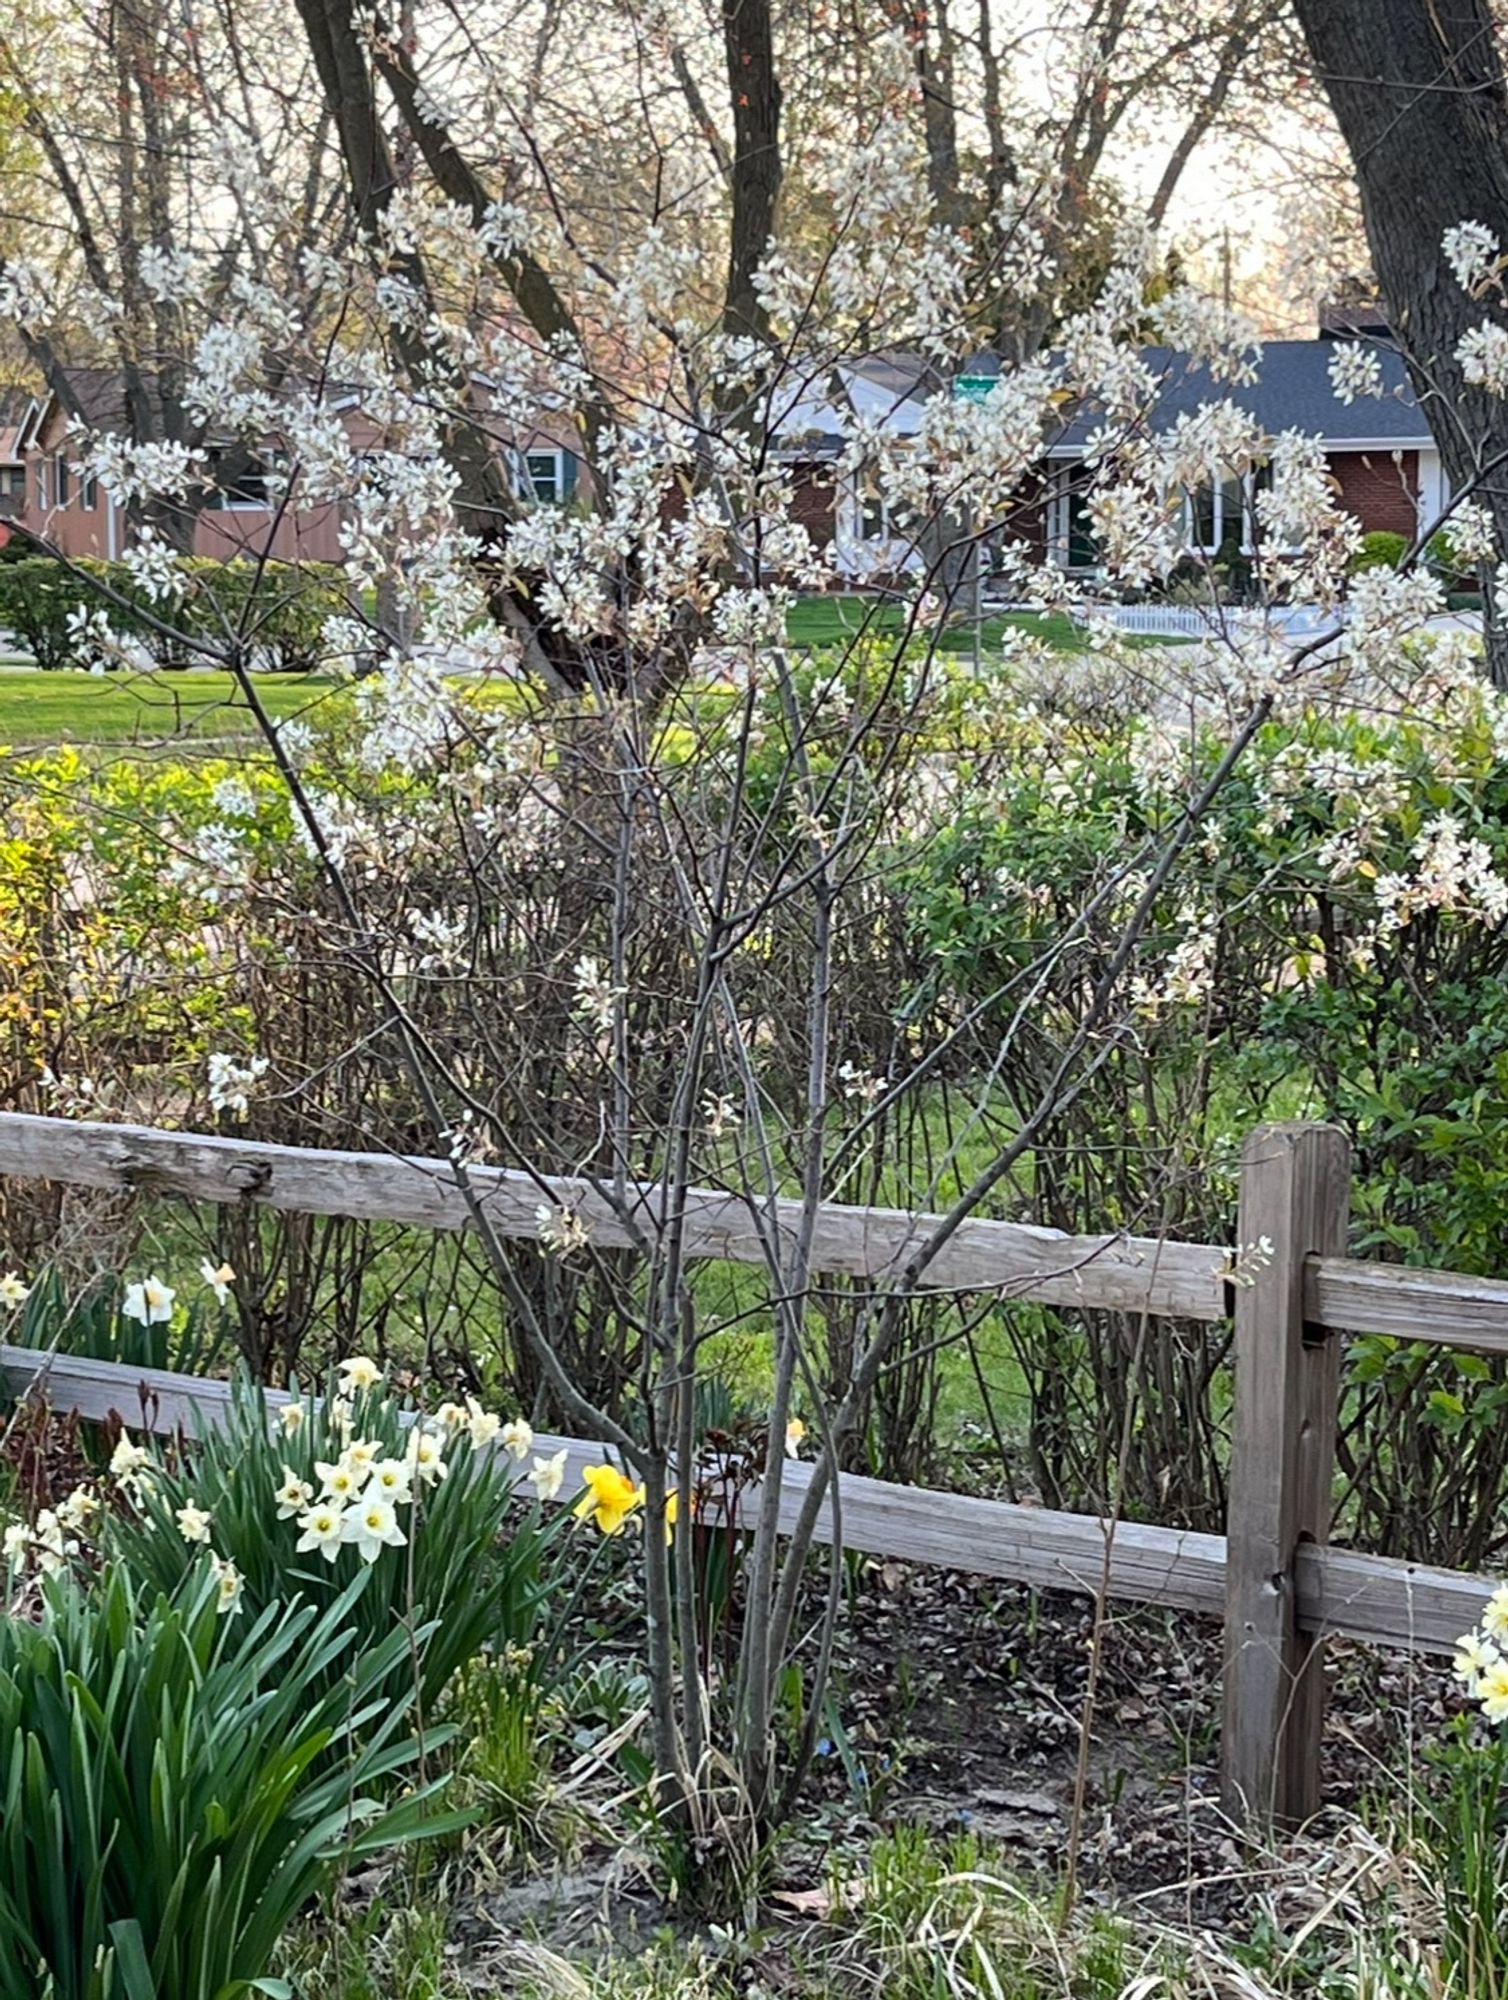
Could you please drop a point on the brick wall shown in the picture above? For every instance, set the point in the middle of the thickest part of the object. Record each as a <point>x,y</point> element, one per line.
<point>814,499</point>
<point>1380,488</point>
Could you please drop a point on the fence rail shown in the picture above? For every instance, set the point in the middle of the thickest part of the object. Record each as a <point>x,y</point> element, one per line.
<point>1278,1587</point>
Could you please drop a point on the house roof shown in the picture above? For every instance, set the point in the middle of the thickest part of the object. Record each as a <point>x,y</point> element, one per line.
<point>1292,391</point>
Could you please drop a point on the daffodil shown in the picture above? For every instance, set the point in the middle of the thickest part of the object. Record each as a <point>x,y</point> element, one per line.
<point>392,1479</point>
<point>451,1415</point>
<point>1473,1656</point>
<point>293,1496</point>
<point>517,1438</point>
<point>322,1527</point>
<point>795,1431</point>
<point>372,1526</point>
<point>150,1302</point>
<point>1492,1691</point>
<point>128,1461</point>
<point>338,1410</point>
<point>14,1290</point>
<point>358,1373</point>
<point>193,1523</point>
<point>291,1417</point>
<point>547,1475</point>
<point>360,1455</point>
<point>228,1586</point>
<point>672,1507</point>
<point>609,1499</point>
<point>219,1278</point>
<point>426,1458</point>
<point>339,1482</point>
<point>51,1545</point>
<point>79,1509</point>
<point>481,1423</point>
<point>16,1543</point>
<point>1495,1616</point>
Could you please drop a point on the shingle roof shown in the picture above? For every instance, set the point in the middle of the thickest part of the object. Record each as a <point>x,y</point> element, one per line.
<point>1292,392</point>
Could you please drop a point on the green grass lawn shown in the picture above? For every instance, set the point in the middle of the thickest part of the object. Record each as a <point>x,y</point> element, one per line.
<point>829,621</point>
<point>79,708</point>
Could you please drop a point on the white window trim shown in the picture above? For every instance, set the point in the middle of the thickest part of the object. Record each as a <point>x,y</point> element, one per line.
<point>1059,495</point>
<point>557,455</point>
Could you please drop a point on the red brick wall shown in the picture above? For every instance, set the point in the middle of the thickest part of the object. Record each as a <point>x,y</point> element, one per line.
<point>1380,488</point>
<point>814,500</point>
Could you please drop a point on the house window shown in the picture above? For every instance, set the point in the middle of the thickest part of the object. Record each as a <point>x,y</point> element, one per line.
<point>1071,541</point>
<point>12,481</point>
<point>42,486</point>
<point>546,472</point>
<point>246,486</point>
<point>1220,514</point>
<point>89,492</point>
<point>60,477</point>
<point>877,519</point>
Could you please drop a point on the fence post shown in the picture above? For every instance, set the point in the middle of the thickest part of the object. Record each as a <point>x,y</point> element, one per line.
<point>1295,1194</point>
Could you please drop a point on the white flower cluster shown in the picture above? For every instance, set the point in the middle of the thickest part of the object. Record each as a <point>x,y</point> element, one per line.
<point>1483,354</point>
<point>1451,873</point>
<point>1480,1664</point>
<point>1355,371</point>
<point>231,1082</point>
<point>1473,254</point>
<point>362,1491</point>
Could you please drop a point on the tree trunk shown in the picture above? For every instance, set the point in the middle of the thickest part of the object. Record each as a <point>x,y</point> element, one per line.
<point>1418,90</point>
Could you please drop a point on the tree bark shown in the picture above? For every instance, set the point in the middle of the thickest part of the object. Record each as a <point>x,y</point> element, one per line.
<point>1419,92</point>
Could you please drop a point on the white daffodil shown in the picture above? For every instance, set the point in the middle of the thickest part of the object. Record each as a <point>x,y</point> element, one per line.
<point>293,1496</point>
<point>79,1509</point>
<point>15,1543</point>
<point>322,1527</point>
<point>338,1411</point>
<point>517,1438</point>
<point>547,1475</point>
<point>482,1424</point>
<point>128,1461</point>
<point>795,1431</point>
<point>358,1373</point>
<point>229,1584</point>
<point>150,1302</point>
<point>52,1546</point>
<point>361,1454</point>
<point>392,1479</point>
<point>425,1457</point>
<point>451,1416</point>
<point>338,1482</point>
<point>14,1290</point>
<point>219,1278</point>
<point>372,1526</point>
<point>193,1523</point>
<point>291,1416</point>
<point>1473,1656</point>
<point>1495,1616</point>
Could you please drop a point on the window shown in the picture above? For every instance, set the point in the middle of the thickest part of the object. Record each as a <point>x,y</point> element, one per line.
<point>1217,515</point>
<point>60,476</point>
<point>42,486</point>
<point>546,470</point>
<point>1070,532</point>
<point>243,482</point>
<point>12,481</point>
<point>89,493</point>
<point>879,519</point>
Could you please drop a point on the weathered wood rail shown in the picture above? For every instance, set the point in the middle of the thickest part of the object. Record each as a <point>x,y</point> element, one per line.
<point>1278,1587</point>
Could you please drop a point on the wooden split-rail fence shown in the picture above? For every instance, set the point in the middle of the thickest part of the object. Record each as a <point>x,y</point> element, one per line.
<point>1272,1578</point>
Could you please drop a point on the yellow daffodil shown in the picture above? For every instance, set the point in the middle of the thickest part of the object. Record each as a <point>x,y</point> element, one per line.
<point>795,1431</point>
<point>609,1499</point>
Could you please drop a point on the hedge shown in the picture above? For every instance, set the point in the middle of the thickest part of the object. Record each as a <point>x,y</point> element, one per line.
<point>279,608</point>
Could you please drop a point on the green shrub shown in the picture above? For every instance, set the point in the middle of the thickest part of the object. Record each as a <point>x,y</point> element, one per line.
<point>1380,549</point>
<point>472,1568</point>
<point>277,610</point>
<point>170,1796</point>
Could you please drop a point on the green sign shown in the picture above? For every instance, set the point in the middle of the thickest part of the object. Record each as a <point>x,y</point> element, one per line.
<point>973,388</point>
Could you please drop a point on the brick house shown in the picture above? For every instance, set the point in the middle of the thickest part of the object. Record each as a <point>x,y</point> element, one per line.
<point>240,517</point>
<point>1379,451</point>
